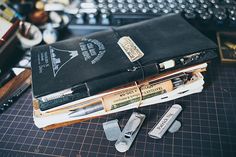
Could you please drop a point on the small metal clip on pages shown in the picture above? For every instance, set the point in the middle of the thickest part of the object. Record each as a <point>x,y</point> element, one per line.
<point>130,49</point>
<point>129,132</point>
<point>166,122</point>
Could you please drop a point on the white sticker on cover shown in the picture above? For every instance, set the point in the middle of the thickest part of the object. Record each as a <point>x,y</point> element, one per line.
<point>131,50</point>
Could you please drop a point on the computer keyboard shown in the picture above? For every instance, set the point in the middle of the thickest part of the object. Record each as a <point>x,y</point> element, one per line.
<point>205,14</point>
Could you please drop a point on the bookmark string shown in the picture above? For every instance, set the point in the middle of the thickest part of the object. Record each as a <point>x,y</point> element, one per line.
<point>140,94</point>
<point>88,90</point>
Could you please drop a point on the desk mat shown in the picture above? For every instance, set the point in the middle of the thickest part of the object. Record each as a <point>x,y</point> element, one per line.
<point>208,127</point>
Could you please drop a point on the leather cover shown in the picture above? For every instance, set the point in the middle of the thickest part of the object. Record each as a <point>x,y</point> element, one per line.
<point>95,63</point>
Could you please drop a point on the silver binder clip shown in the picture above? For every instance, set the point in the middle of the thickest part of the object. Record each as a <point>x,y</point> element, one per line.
<point>129,132</point>
<point>165,123</point>
<point>112,130</point>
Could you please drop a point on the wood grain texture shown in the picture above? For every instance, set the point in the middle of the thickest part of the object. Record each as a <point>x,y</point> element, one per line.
<point>14,84</point>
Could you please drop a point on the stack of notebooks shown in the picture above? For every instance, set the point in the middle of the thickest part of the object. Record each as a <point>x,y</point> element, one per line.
<point>131,66</point>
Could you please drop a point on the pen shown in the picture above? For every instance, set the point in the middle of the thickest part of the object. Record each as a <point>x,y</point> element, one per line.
<point>86,110</point>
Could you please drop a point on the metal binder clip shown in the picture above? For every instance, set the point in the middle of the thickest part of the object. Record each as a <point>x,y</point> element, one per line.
<point>165,122</point>
<point>190,58</point>
<point>129,132</point>
<point>112,130</point>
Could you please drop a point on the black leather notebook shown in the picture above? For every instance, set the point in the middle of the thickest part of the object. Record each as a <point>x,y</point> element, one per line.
<point>85,66</point>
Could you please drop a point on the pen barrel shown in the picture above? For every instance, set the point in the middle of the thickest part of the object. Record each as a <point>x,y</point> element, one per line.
<point>87,110</point>
<point>93,108</point>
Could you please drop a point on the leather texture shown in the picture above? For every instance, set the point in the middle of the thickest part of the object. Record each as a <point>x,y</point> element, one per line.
<point>106,66</point>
